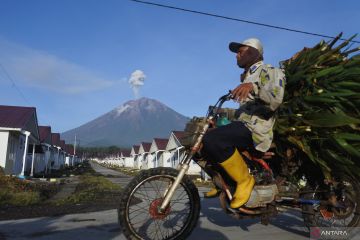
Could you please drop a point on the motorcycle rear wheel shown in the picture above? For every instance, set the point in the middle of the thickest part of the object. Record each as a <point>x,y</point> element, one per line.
<point>137,213</point>
<point>314,216</point>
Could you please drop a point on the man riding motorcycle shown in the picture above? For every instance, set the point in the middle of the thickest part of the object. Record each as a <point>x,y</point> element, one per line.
<point>260,93</point>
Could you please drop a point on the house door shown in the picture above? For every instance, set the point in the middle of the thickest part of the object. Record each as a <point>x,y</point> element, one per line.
<point>12,152</point>
<point>19,154</point>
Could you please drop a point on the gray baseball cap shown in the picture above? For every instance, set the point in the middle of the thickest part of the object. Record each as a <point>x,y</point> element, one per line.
<point>251,42</point>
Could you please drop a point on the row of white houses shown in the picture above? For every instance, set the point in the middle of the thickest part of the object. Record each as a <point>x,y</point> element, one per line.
<point>158,153</point>
<point>27,149</point>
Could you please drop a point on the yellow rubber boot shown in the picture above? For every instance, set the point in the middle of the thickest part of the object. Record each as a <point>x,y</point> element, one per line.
<point>237,169</point>
<point>212,193</point>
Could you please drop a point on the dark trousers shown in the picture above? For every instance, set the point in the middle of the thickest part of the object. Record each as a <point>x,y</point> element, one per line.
<point>220,143</point>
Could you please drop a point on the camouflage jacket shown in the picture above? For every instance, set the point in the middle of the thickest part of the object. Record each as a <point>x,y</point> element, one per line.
<point>258,110</point>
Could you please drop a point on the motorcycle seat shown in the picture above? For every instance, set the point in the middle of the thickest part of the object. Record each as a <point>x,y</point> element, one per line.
<point>266,155</point>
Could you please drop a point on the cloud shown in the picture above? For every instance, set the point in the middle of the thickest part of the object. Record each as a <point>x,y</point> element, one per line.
<point>40,69</point>
<point>136,80</point>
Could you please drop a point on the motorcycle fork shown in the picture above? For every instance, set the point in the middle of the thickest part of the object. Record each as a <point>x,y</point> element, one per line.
<point>184,166</point>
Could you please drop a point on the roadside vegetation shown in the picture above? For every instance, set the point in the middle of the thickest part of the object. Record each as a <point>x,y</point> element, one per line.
<point>14,191</point>
<point>79,190</point>
<point>100,152</point>
<point>92,187</point>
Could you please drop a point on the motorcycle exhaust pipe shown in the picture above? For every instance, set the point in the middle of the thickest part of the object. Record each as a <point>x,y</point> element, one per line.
<point>250,211</point>
<point>303,201</point>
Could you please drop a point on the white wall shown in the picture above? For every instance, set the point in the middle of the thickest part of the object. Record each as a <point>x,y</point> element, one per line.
<point>39,163</point>
<point>57,158</point>
<point>165,159</point>
<point>15,153</point>
<point>11,152</point>
<point>68,161</point>
<point>52,159</point>
<point>137,162</point>
<point>62,159</point>
<point>4,136</point>
<point>142,161</point>
<point>128,162</point>
<point>151,160</point>
<point>194,169</point>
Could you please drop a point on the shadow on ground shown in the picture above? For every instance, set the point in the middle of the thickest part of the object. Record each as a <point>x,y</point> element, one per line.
<point>86,226</point>
<point>290,221</point>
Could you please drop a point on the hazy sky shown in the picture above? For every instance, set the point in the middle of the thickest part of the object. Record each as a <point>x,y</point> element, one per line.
<point>73,60</point>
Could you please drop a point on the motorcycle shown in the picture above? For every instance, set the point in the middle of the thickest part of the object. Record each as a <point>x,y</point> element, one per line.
<point>164,203</point>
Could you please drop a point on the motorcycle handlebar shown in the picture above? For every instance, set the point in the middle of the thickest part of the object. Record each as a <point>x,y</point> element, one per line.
<point>226,97</point>
<point>219,103</point>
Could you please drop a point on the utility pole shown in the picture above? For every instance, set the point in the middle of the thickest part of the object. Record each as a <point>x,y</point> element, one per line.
<point>75,146</point>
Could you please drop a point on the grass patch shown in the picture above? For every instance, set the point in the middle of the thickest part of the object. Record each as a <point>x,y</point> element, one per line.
<point>92,187</point>
<point>19,198</point>
<point>85,191</point>
<point>18,192</point>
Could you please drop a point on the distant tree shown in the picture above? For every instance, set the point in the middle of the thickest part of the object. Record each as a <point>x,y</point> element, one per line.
<point>99,152</point>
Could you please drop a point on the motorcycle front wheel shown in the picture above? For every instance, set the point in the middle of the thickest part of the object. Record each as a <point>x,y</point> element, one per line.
<point>138,213</point>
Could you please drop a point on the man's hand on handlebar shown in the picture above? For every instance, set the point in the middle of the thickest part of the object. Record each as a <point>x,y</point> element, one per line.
<point>242,92</point>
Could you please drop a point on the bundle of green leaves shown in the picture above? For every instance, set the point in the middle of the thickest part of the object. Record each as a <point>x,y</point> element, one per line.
<point>320,115</point>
